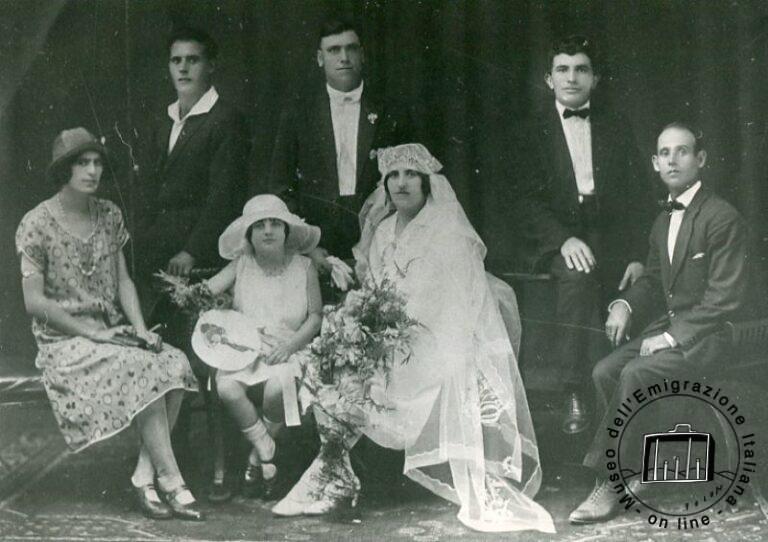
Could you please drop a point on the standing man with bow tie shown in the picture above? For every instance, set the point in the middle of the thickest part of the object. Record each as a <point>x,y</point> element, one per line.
<point>585,206</point>
<point>695,279</point>
<point>324,161</point>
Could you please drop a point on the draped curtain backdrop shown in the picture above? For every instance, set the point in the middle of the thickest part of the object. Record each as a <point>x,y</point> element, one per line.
<point>471,69</point>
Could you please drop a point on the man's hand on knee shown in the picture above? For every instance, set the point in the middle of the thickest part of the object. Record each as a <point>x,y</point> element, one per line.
<point>651,345</point>
<point>618,322</point>
<point>578,255</point>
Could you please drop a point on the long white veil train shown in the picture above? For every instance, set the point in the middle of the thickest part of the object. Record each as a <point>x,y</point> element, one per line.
<point>462,414</point>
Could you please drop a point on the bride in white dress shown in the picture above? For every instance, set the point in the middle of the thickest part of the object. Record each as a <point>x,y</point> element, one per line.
<point>459,407</point>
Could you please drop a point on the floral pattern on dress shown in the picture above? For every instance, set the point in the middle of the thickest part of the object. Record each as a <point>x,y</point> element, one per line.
<point>95,389</point>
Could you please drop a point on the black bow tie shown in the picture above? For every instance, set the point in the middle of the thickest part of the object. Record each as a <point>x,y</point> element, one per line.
<point>583,113</point>
<point>670,206</point>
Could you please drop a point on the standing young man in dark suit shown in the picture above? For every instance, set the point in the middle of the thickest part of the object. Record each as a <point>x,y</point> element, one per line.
<point>198,164</point>
<point>324,162</point>
<point>583,204</point>
<point>696,273</point>
<point>196,187</point>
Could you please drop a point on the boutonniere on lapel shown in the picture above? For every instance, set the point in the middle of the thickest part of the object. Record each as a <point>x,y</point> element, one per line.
<point>372,118</point>
<point>373,154</point>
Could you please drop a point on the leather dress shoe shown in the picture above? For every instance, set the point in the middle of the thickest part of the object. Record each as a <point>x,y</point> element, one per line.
<point>576,419</point>
<point>601,505</point>
<point>150,504</point>
<point>189,511</point>
<point>253,481</point>
<point>270,487</point>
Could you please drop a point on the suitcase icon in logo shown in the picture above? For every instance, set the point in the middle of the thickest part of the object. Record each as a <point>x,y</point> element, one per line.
<point>679,455</point>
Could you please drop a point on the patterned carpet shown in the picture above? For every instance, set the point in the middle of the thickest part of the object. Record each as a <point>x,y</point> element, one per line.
<point>86,497</point>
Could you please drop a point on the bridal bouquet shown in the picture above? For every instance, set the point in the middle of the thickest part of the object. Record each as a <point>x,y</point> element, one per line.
<point>360,340</point>
<point>349,364</point>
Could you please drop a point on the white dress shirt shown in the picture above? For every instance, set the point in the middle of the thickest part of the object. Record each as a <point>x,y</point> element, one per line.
<point>345,113</point>
<point>201,107</point>
<point>676,218</point>
<point>578,135</point>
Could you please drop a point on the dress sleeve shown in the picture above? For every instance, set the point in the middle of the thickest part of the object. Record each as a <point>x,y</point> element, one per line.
<point>116,224</point>
<point>30,241</point>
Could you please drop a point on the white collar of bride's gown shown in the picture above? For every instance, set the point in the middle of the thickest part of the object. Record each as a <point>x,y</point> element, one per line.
<point>421,220</point>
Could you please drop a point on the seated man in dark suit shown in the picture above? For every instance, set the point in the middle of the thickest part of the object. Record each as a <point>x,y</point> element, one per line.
<point>324,161</point>
<point>583,208</point>
<point>697,272</point>
<point>194,189</point>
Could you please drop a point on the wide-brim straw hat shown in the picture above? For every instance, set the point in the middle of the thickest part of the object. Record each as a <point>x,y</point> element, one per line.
<point>302,237</point>
<point>71,143</point>
<point>226,340</point>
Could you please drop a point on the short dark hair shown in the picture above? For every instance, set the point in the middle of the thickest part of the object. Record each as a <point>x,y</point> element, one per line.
<point>331,27</point>
<point>426,188</point>
<point>191,33</point>
<point>61,173</point>
<point>573,45</point>
<point>695,131</point>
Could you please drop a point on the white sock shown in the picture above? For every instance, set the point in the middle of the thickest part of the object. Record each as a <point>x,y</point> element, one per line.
<point>263,444</point>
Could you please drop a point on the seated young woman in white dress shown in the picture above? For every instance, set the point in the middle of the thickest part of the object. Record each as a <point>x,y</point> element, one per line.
<point>458,405</point>
<point>278,289</point>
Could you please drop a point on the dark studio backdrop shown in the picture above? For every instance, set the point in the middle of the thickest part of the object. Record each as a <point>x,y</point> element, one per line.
<point>472,70</point>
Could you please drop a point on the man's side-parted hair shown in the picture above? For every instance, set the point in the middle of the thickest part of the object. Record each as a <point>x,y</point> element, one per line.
<point>331,27</point>
<point>573,45</point>
<point>190,33</point>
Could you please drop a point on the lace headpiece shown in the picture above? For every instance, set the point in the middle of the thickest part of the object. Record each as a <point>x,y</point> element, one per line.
<point>409,156</point>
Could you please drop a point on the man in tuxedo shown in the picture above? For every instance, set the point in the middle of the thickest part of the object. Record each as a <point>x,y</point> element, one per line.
<point>324,161</point>
<point>695,279</point>
<point>583,202</point>
<point>195,187</point>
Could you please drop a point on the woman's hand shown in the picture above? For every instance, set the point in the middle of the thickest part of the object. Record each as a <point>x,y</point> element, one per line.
<point>111,335</point>
<point>153,340</point>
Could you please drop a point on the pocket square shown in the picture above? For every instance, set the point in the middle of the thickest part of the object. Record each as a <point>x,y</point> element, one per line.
<point>698,256</point>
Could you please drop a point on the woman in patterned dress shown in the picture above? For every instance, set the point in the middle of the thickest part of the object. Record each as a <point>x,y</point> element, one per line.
<point>102,369</point>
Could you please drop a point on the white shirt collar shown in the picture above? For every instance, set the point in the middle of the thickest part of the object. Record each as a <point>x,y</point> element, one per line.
<point>686,197</point>
<point>339,97</point>
<point>201,107</point>
<point>561,107</point>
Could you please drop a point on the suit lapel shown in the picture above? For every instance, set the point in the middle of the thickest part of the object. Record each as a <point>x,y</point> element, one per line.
<point>191,126</point>
<point>598,131</point>
<point>324,126</point>
<point>163,135</point>
<point>662,234</point>
<point>562,156</point>
<point>684,235</point>
<point>366,130</point>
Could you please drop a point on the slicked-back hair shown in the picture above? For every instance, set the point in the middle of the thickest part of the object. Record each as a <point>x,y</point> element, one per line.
<point>331,27</point>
